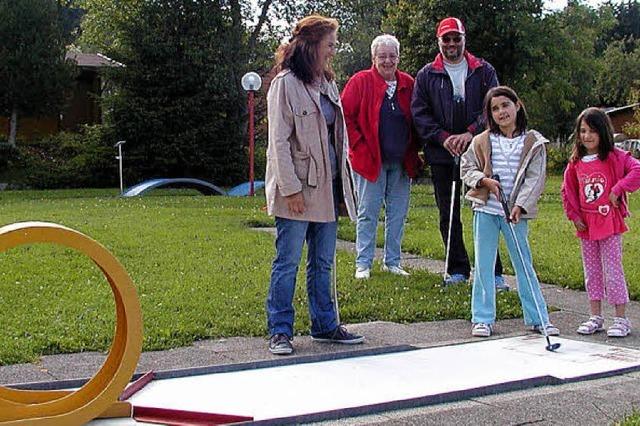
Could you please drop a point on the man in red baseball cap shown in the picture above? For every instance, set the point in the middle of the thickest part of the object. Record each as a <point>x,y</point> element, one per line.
<point>447,112</point>
<point>451,29</point>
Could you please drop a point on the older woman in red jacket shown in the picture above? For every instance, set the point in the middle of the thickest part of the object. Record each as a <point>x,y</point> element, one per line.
<point>382,150</point>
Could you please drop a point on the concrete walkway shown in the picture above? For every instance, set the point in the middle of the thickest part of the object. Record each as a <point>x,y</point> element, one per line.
<point>594,402</point>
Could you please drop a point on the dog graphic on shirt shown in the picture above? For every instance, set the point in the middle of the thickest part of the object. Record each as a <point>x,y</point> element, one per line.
<point>593,187</point>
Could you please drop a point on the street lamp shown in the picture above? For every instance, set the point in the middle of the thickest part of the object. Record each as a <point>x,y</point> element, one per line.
<point>120,158</point>
<point>251,82</point>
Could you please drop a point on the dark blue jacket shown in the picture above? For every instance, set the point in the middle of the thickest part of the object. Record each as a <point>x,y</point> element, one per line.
<point>432,104</point>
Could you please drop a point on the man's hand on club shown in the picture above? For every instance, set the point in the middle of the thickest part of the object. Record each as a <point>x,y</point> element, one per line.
<point>457,144</point>
<point>449,144</point>
<point>464,140</point>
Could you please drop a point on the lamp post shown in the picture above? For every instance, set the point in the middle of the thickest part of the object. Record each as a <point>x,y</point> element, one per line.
<point>120,158</point>
<point>251,82</point>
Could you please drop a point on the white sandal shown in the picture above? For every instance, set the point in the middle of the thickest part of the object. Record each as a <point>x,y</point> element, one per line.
<point>594,324</point>
<point>621,327</point>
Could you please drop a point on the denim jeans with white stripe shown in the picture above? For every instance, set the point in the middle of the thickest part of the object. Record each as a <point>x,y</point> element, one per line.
<point>486,232</point>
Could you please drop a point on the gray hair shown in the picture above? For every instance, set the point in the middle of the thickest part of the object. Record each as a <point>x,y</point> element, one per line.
<point>384,39</point>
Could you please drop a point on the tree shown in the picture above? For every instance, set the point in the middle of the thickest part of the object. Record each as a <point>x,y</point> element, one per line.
<point>619,74</point>
<point>103,24</point>
<point>70,18</point>
<point>33,70</point>
<point>184,61</point>
<point>627,24</point>
<point>558,80</point>
<point>632,128</point>
<point>175,101</point>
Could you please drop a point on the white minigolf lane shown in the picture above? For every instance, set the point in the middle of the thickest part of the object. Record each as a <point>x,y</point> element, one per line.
<point>456,371</point>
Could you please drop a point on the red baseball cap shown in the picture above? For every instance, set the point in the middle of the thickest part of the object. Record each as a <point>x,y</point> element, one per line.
<point>448,25</point>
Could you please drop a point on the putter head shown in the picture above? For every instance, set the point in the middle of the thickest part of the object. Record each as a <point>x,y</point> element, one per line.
<point>552,347</point>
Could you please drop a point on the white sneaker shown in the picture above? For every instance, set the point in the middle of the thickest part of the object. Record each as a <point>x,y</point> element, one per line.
<point>362,273</point>
<point>481,330</point>
<point>397,270</point>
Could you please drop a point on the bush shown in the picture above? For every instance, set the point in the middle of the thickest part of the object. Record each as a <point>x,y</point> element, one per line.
<point>65,160</point>
<point>557,158</point>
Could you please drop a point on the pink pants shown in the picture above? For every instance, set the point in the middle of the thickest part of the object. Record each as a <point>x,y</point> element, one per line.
<point>603,273</point>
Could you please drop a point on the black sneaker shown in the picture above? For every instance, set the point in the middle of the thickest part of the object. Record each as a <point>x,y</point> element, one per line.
<point>338,335</point>
<point>280,344</point>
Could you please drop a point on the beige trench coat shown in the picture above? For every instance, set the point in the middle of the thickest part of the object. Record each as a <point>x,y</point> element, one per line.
<point>297,154</point>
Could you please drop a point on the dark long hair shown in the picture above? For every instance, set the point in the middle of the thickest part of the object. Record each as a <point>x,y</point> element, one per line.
<point>597,120</point>
<point>521,117</point>
<point>300,54</point>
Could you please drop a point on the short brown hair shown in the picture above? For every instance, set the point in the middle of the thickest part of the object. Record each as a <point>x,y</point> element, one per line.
<point>300,53</point>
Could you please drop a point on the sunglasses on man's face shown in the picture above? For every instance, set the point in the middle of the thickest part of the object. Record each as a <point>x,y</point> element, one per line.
<point>448,39</point>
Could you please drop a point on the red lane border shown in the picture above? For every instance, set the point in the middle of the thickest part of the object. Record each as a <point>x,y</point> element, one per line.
<point>136,386</point>
<point>171,417</point>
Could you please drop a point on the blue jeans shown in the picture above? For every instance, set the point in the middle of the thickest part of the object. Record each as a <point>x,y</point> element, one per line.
<point>321,244</point>
<point>486,231</point>
<point>393,188</point>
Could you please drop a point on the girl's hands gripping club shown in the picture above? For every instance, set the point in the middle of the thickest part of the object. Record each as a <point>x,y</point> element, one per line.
<point>493,183</point>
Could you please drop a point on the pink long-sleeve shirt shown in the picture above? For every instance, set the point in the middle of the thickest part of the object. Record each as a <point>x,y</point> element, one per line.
<point>624,171</point>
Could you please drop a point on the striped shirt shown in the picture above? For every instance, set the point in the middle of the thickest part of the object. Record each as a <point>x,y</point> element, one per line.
<point>505,158</point>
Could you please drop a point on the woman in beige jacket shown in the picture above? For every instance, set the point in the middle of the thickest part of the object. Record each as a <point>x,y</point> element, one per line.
<point>308,180</point>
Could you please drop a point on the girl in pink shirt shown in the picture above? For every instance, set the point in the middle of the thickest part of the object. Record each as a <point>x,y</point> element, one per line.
<point>594,195</point>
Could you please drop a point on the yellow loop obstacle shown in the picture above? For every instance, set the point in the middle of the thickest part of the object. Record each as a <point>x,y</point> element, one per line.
<point>100,394</point>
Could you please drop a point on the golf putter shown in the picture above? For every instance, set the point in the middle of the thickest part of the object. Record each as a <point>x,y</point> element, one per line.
<point>456,166</point>
<point>334,282</point>
<point>552,347</point>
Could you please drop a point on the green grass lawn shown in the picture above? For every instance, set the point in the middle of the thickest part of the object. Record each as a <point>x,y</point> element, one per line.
<point>201,272</point>
<point>632,419</point>
<point>555,248</point>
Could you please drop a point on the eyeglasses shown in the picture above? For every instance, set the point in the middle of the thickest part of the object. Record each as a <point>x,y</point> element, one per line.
<point>447,39</point>
<point>383,58</point>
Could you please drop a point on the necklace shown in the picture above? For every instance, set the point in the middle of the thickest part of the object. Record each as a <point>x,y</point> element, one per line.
<point>508,147</point>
